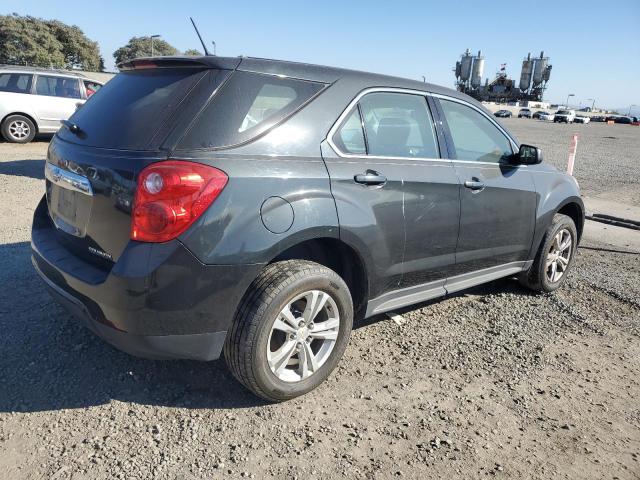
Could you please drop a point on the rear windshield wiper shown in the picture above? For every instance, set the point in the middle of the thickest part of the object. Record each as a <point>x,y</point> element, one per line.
<point>73,128</point>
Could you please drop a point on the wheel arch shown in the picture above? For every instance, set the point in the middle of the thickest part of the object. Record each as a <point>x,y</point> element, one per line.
<point>575,211</point>
<point>340,257</point>
<point>30,117</point>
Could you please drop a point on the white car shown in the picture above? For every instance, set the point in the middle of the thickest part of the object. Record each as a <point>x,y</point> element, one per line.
<point>546,116</point>
<point>36,101</point>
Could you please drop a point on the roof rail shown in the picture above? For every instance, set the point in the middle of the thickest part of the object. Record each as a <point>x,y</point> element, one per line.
<point>5,66</point>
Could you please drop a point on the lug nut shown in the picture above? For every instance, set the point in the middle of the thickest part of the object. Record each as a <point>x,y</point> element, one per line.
<point>311,325</point>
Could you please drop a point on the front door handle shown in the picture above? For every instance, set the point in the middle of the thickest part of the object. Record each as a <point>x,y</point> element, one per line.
<point>370,178</point>
<point>474,184</point>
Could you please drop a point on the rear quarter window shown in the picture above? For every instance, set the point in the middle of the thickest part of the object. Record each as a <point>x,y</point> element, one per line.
<point>15,82</point>
<point>246,106</point>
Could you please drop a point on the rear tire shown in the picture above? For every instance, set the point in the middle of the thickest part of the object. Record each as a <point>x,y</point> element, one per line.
<point>558,247</point>
<point>269,350</point>
<point>18,129</point>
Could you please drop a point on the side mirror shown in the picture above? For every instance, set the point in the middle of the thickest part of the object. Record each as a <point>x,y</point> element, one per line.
<point>529,155</point>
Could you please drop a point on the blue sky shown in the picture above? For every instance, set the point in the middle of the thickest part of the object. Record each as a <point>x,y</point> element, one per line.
<point>594,46</point>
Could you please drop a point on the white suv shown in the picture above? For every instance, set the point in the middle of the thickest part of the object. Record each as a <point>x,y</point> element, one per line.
<point>36,101</point>
<point>566,116</point>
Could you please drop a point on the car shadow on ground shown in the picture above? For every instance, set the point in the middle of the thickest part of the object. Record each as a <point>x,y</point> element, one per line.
<point>23,168</point>
<point>50,361</point>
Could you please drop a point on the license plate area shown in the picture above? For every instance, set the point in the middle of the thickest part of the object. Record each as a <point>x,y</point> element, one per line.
<point>69,198</point>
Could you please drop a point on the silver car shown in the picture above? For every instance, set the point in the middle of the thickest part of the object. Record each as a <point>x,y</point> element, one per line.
<point>35,101</point>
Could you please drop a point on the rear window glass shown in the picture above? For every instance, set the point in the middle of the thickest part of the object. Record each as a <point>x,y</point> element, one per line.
<point>247,105</point>
<point>15,82</point>
<point>128,110</point>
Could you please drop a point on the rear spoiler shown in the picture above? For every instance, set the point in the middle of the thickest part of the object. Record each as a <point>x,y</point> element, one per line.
<point>145,63</point>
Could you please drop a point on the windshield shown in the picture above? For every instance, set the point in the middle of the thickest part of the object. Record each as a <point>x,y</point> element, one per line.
<point>564,112</point>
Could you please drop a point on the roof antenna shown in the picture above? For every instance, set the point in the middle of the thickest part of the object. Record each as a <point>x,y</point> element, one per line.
<point>206,52</point>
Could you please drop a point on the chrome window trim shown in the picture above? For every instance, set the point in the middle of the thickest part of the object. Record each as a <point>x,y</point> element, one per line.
<point>347,111</point>
<point>69,180</point>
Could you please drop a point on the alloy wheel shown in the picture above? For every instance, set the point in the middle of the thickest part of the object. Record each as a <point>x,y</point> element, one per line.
<point>303,336</point>
<point>19,129</point>
<point>559,256</point>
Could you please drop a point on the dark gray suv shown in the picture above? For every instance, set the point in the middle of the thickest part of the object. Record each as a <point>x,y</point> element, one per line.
<point>196,206</point>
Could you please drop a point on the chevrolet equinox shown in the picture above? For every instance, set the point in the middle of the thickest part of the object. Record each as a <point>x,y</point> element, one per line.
<point>205,206</point>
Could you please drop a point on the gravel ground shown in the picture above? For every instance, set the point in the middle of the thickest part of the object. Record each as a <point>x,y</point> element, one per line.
<point>493,382</point>
<point>606,160</point>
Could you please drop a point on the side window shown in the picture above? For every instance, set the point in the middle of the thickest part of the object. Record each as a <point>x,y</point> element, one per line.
<point>398,125</point>
<point>91,87</point>
<point>350,137</point>
<point>57,87</point>
<point>270,100</point>
<point>475,137</point>
<point>15,82</point>
<point>246,106</point>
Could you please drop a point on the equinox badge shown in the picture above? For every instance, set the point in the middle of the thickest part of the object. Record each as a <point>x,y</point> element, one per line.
<point>100,253</point>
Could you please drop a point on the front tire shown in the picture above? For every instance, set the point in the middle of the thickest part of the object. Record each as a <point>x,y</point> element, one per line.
<point>290,331</point>
<point>554,258</point>
<point>18,129</point>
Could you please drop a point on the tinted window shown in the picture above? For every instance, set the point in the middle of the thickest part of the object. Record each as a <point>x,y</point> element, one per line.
<point>475,137</point>
<point>398,125</point>
<point>15,82</point>
<point>134,105</point>
<point>350,137</point>
<point>57,87</point>
<point>247,105</point>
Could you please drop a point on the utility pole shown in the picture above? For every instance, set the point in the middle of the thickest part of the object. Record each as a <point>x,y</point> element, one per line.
<point>570,95</point>
<point>152,37</point>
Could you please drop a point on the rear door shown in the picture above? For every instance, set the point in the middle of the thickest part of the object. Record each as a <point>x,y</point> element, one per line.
<point>55,99</point>
<point>497,199</point>
<point>369,197</point>
<point>396,199</point>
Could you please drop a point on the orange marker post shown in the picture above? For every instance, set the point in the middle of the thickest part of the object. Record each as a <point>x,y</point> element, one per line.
<point>572,153</point>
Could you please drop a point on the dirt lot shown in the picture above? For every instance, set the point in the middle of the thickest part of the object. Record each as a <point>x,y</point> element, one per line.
<point>493,382</point>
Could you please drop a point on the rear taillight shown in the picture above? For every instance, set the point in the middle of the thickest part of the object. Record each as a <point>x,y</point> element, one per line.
<point>170,196</point>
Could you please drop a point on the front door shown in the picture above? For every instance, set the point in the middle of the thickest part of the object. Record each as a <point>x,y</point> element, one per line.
<point>497,198</point>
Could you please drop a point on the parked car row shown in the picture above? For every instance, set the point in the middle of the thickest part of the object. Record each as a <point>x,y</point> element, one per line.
<point>567,116</point>
<point>35,101</point>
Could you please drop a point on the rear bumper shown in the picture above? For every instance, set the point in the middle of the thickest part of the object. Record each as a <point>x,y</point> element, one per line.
<point>158,300</point>
<point>199,346</point>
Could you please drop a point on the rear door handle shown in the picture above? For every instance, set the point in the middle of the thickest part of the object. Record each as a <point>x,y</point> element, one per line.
<point>474,184</point>
<point>370,178</point>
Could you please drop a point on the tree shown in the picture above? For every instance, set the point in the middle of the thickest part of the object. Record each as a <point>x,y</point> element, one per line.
<point>46,43</point>
<point>192,52</point>
<point>78,50</point>
<point>28,41</point>
<point>141,47</point>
